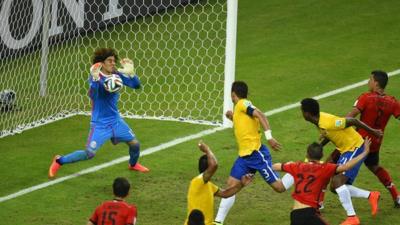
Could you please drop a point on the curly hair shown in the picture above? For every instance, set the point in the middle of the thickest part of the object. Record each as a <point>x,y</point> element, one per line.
<point>101,54</point>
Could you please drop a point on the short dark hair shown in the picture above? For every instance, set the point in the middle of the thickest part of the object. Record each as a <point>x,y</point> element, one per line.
<point>203,163</point>
<point>311,106</point>
<point>101,54</point>
<point>121,187</point>
<point>381,77</point>
<point>314,151</point>
<point>196,217</point>
<point>240,89</point>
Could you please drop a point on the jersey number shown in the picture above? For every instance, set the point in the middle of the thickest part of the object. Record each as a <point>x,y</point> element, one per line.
<point>109,216</point>
<point>309,180</point>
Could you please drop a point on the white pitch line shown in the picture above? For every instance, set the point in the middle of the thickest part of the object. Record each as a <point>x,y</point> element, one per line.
<point>174,142</point>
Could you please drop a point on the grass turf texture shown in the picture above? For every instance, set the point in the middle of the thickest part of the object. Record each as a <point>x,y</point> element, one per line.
<point>287,50</point>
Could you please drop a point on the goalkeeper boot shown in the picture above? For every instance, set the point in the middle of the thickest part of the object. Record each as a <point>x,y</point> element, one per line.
<point>139,167</point>
<point>54,167</point>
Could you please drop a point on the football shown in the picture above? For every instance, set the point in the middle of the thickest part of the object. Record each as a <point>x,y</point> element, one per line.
<point>113,83</point>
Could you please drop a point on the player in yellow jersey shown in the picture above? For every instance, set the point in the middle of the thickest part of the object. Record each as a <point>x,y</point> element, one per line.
<point>202,191</point>
<point>349,143</point>
<point>253,155</point>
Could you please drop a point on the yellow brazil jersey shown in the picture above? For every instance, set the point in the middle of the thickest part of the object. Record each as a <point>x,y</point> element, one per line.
<point>334,128</point>
<point>246,128</point>
<point>201,196</point>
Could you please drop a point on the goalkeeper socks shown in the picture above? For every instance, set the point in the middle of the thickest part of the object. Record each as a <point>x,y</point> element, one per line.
<point>73,157</point>
<point>224,207</point>
<point>134,153</point>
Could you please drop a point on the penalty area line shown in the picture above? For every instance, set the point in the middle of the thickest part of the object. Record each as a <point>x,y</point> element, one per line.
<point>174,142</point>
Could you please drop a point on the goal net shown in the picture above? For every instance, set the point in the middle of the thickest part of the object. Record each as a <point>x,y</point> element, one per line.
<point>178,48</point>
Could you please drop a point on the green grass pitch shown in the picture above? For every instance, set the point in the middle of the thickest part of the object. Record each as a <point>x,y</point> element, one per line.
<point>287,50</point>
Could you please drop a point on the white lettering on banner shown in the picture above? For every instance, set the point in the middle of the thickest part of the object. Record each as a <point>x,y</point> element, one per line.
<point>75,9</point>
<point>5,32</point>
<point>113,10</point>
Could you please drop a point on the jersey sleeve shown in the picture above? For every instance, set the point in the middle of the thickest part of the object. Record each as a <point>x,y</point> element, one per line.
<point>396,112</point>
<point>247,107</point>
<point>331,169</point>
<point>289,167</point>
<point>95,217</point>
<point>94,87</point>
<point>361,102</point>
<point>335,123</point>
<point>132,215</point>
<point>132,82</point>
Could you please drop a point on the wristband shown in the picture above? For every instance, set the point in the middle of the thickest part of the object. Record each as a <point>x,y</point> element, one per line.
<point>268,134</point>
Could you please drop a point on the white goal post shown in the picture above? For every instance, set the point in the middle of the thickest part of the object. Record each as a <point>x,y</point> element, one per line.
<point>183,51</point>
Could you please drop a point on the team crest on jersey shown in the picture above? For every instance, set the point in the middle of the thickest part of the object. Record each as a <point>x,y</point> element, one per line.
<point>338,123</point>
<point>93,144</point>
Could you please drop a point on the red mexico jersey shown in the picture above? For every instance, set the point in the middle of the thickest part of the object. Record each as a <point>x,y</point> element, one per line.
<point>309,178</point>
<point>375,111</point>
<point>114,212</point>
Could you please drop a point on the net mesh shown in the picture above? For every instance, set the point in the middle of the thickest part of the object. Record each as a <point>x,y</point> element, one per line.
<point>177,47</point>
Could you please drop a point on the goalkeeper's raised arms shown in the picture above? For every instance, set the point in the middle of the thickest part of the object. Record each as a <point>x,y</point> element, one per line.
<point>127,67</point>
<point>95,71</point>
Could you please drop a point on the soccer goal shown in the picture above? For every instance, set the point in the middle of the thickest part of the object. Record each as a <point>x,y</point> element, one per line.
<point>183,51</point>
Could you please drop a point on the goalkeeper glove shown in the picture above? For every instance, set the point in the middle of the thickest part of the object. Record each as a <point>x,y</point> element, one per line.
<point>127,67</point>
<point>95,71</point>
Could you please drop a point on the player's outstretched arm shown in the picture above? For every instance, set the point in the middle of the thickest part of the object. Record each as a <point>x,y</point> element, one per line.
<point>359,124</point>
<point>212,161</point>
<point>350,164</point>
<point>353,113</point>
<point>267,129</point>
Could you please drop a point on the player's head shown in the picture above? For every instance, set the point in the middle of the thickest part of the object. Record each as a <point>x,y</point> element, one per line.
<point>378,80</point>
<point>107,57</point>
<point>121,187</point>
<point>196,217</point>
<point>203,163</point>
<point>314,151</point>
<point>310,108</point>
<point>239,90</point>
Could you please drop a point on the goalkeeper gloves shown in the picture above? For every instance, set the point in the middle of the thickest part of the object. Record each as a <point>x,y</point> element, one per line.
<point>95,71</point>
<point>127,67</point>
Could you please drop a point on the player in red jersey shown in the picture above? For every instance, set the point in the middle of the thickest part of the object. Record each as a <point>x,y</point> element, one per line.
<point>310,178</point>
<point>375,109</point>
<point>117,211</point>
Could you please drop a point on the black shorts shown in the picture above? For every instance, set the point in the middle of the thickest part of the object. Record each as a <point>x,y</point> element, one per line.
<point>306,216</point>
<point>372,159</point>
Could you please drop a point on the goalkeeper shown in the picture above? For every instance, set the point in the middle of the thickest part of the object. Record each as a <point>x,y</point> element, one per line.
<point>106,122</point>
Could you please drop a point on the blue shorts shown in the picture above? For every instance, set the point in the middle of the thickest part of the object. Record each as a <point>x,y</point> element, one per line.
<point>347,156</point>
<point>260,161</point>
<point>116,132</point>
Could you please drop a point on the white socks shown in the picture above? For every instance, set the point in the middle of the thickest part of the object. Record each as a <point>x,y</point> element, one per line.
<point>224,207</point>
<point>345,198</point>
<point>287,181</point>
<point>357,192</point>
